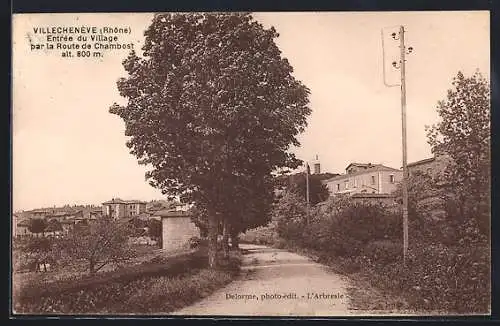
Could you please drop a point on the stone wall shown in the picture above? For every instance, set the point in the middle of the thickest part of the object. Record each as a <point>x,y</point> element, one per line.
<point>384,199</point>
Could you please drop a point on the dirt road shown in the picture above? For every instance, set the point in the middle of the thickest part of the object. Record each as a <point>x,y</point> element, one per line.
<point>277,283</point>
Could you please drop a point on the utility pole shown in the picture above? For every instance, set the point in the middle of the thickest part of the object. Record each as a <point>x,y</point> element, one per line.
<point>403,130</point>
<point>404,184</point>
<point>307,186</point>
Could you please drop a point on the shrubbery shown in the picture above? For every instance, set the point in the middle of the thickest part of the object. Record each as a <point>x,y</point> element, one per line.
<point>383,251</point>
<point>339,226</point>
<point>448,260</point>
<point>154,287</point>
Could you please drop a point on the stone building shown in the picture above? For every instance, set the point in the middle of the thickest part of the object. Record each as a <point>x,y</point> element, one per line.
<point>365,178</point>
<point>119,208</point>
<point>177,229</point>
<point>432,166</point>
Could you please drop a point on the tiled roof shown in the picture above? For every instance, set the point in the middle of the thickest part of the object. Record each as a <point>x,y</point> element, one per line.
<point>368,195</point>
<point>24,222</point>
<point>121,201</point>
<point>427,160</point>
<point>374,168</point>
<point>171,213</point>
<point>359,164</point>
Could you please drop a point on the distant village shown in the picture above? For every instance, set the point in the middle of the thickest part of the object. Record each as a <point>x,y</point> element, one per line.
<point>362,181</point>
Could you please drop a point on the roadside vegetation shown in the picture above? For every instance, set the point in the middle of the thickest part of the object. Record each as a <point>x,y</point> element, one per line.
<point>94,272</point>
<point>443,274</point>
<point>448,264</point>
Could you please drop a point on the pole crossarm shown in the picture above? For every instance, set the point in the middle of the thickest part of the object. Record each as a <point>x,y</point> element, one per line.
<point>383,62</point>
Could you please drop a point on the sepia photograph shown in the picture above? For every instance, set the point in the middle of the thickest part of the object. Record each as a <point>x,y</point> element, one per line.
<point>259,164</point>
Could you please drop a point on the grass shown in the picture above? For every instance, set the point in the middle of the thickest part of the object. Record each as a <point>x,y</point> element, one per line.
<point>144,293</point>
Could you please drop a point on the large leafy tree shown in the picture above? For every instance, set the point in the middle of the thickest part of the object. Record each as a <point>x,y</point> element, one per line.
<point>463,132</point>
<point>211,101</point>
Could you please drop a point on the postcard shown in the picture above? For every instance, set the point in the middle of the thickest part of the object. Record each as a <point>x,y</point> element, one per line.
<point>298,164</point>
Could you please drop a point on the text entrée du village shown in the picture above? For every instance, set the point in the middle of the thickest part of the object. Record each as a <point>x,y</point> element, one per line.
<point>80,41</point>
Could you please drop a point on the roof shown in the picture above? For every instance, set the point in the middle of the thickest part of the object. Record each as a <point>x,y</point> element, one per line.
<point>60,214</point>
<point>121,201</point>
<point>171,213</point>
<point>359,164</point>
<point>427,160</point>
<point>374,168</point>
<point>24,222</point>
<point>369,195</point>
<point>42,210</point>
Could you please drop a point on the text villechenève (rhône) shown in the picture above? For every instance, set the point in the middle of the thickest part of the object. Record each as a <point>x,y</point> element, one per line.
<point>80,41</point>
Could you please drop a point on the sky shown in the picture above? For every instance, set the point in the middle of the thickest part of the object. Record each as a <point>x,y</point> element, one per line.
<point>68,149</point>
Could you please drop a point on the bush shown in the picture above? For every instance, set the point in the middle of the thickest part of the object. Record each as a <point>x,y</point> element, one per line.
<point>280,244</point>
<point>144,293</point>
<point>146,289</point>
<point>172,267</point>
<point>194,242</point>
<point>455,279</point>
<point>290,216</point>
<point>383,251</point>
<point>343,228</point>
<point>448,260</point>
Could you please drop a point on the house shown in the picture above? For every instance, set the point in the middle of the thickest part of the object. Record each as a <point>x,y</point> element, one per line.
<point>119,208</point>
<point>21,228</point>
<point>432,166</point>
<point>177,228</point>
<point>365,178</point>
<point>64,215</point>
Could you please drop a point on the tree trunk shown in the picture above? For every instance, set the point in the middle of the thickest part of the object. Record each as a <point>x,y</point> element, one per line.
<point>225,240</point>
<point>234,238</point>
<point>235,241</point>
<point>212,240</point>
<point>92,268</point>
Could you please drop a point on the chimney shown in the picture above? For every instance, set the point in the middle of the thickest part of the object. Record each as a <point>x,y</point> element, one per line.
<point>317,166</point>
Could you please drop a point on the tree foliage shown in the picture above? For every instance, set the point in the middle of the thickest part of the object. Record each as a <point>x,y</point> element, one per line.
<point>290,214</point>
<point>212,107</point>
<point>420,186</point>
<point>37,225</point>
<point>463,133</point>
<point>318,192</point>
<point>248,207</point>
<point>53,225</point>
<point>99,244</point>
<point>155,230</point>
<point>35,252</point>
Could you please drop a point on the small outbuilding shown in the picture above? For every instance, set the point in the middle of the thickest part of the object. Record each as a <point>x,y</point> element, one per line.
<point>177,229</point>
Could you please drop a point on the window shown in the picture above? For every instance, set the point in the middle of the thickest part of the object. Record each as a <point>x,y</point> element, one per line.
<point>355,183</point>
<point>338,186</point>
<point>347,184</point>
<point>373,179</point>
<point>391,178</point>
